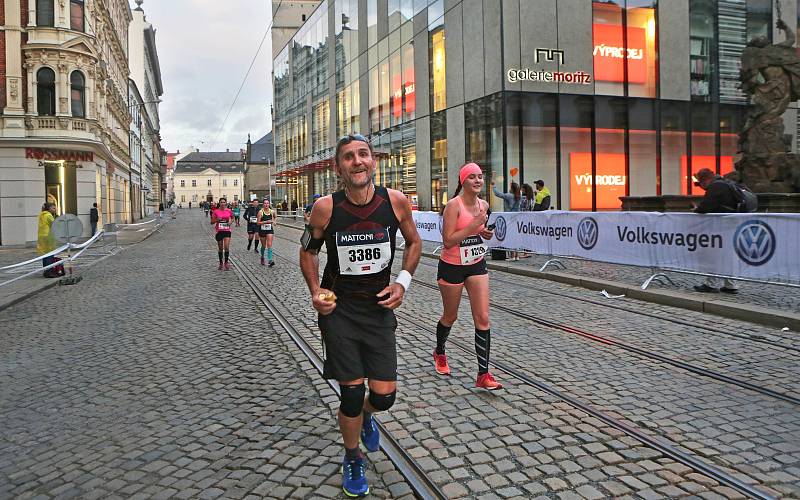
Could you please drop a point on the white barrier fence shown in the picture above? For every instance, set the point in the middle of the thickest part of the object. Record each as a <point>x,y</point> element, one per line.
<point>762,247</point>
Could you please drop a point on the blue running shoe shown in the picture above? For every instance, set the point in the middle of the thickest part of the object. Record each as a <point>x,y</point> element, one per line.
<point>354,483</point>
<point>370,435</point>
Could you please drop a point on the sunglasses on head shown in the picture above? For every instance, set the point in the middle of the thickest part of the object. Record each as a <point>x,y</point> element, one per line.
<point>347,139</point>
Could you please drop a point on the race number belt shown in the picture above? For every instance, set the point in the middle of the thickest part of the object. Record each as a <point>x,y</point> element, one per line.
<point>266,227</point>
<point>253,220</point>
<point>363,252</point>
<point>472,249</point>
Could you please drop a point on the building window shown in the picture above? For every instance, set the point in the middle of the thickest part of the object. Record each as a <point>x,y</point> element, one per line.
<point>236,182</point>
<point>208,182</point>
<point>194,183</point>
<point>45,13</point>
<point>78,94</point>
<point>625,60</point>
<point>194,197</point>
<point>224,182</point>
<point>76,21</point>
<point>439,194</point>
<point>46,92</point>
<point>183,183</point>
<point>438,71</point>
<point>183,198</point>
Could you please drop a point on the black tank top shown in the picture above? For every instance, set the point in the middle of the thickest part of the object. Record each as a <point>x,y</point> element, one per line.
<point>265,216</point>
<point>362,235</point>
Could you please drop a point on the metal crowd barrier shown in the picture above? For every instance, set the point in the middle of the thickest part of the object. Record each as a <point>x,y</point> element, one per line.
<point>68,247</point>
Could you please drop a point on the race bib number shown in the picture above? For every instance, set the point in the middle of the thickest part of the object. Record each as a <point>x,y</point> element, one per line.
<point>253,220</point>
<point>363,252</point>
<point>266,227</point>
<point>472,250</point>
<point>223,225</point>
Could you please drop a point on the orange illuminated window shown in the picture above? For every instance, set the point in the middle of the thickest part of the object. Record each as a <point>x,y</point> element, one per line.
<point>610,54</point>
<point>610,181</point>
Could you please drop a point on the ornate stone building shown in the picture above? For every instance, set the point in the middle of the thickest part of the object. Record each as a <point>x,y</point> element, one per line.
<point>64,124</point>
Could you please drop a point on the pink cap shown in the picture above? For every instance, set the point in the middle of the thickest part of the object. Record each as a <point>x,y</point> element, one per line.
<point>467,170</point>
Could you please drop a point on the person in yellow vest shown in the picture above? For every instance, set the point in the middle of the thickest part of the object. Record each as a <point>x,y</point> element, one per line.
<point>542,201</point>
<point>46,242</point>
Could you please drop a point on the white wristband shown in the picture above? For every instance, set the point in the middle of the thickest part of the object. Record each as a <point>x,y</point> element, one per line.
<point>404,279</point>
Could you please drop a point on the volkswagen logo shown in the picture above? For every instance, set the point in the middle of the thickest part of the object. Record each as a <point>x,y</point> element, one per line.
<point>587,233</point>
<point>500,228</point>
<point>754,242</point>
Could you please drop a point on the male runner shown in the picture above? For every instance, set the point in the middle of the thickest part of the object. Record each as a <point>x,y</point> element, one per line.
<point>251,216</point>
<point>355,300</point>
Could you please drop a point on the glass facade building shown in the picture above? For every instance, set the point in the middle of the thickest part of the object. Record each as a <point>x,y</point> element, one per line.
<point>599,99</point>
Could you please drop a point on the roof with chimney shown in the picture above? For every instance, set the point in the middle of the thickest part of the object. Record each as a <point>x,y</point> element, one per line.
<point>223,162</point>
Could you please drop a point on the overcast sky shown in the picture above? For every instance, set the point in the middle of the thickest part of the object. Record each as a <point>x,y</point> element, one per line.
<point>204,49</point>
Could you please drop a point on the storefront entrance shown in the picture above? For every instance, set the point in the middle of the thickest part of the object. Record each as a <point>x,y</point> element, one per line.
<point>61,186</point>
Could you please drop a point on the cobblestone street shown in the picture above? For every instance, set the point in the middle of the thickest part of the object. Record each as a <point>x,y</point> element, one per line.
<point>138,382</point>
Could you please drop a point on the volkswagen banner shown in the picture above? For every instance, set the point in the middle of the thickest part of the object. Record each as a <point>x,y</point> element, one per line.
<point>756,246</point>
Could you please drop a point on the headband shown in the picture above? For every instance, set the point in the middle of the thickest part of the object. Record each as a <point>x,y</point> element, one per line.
<point>467,170</point>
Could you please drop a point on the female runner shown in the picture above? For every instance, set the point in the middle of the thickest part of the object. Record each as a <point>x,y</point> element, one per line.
<point>266,231</point>
<point>462,265</point>
<point>222,218</point>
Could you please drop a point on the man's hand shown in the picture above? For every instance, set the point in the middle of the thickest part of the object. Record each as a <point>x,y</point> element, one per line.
<point>395,292</point>
<point>320,304</point>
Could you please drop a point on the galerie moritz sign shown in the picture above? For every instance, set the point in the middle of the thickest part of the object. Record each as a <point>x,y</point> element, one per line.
<point>548,55</point>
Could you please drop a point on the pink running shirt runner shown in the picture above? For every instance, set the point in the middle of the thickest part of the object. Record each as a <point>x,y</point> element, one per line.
<point>223,218</point>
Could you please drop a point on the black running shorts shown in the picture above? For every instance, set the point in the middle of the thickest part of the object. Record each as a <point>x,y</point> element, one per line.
<point>456,275</point>
<point>252,228</point>
<point>359,342</point>
<point>221,235</point>
<point>264,233</point>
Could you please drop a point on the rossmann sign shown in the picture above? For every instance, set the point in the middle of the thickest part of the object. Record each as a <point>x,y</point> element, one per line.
<point>58,155</point>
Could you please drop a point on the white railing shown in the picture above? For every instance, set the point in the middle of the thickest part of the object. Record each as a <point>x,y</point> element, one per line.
<point>68,247</point>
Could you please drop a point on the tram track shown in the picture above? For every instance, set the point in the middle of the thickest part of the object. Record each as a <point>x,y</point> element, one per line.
<point>638,351</point>
<point>655,442</point>
<point>717,331</point>
<point>422,485</point>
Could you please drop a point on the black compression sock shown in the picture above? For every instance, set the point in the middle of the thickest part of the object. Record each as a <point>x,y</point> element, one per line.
<point>227,254</point>
<point>256,247</point>
<point>482,338</point>
<point>249,244</point>
<point>442,332</point>
<point>352,454</point>
<point>220,257</point>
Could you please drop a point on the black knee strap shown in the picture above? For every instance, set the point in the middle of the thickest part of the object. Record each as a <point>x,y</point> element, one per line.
<point>352,400</point>
<point>382,402</point>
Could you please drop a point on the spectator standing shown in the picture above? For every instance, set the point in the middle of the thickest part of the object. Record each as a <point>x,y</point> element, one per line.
<point>46,242</point>
<point>307,209</point>
<point>94,217</point>
<point>543,197</point>
<point>718,199</point>
<point>511,203</point>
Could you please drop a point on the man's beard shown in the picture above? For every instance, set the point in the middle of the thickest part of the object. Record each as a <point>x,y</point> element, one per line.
<point>349,183</point>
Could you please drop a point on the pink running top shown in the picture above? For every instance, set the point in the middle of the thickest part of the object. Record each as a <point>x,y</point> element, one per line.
<point>452,255</point>
<point>223,218</point>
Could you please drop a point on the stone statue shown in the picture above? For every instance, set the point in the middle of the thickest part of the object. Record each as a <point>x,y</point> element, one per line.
<point>770,76</point>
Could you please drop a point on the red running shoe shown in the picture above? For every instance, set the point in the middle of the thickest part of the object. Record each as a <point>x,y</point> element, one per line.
<point>263,261</point>
<point>487,381</point>
<point>440,362</point>
<point>227,266</point>
<point>220,266</point>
